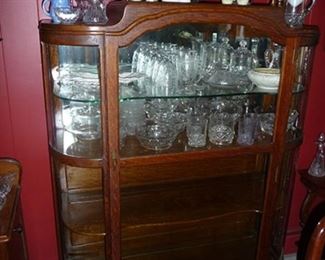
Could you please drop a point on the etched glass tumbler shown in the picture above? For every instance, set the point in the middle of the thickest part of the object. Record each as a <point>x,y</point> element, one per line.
<point>221,128</point>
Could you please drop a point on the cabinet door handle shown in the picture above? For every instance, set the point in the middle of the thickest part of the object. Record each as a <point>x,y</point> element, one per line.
<point>114,159</point>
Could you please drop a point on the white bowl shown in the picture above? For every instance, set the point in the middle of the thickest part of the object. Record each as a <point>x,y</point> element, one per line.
<point>265,78</point>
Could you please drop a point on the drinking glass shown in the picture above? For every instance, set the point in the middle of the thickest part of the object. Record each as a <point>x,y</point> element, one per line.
<point>188,64</point>
<point>131,115</point>
<point>221,128</point>
<point>165,82</point>
<point>196,130</point>
<point>247,129</point>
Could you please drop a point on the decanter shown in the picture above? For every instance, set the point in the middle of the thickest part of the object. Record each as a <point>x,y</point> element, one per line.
<point>317,167</point>
<point>95,13</point>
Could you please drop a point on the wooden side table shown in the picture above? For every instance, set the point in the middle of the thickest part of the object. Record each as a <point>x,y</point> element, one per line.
<point>12,242</point>
<point>315,189</point>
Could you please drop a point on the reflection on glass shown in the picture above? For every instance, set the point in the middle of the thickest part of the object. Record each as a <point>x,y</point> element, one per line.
<point>303,70</point>
<point>76,88</point>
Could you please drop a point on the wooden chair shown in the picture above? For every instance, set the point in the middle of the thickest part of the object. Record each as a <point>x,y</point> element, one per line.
<point>309,233</point>
<point>12,240</point>
<point>317,242</point>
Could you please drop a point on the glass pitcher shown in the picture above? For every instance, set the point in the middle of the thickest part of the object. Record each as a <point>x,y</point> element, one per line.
<point>296,11</point>
<point>49,7</point>
<point>272,56</point>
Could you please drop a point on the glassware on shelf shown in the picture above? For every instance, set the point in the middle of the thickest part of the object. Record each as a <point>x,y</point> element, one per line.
<point>230,70</point>
<point>83,5</point>
<point>49,8</point>
<point>272,56</point>
<point>196,130</point>
<point>156,136</point>
<point>242,60</point>
<point>296,11</point>
<point>132,114</point>
<point>247,126</point>
<point>76,82</point>
<point>188,64</point>
<point>95,13</point>
<point>221,128</point>
<point>84,120</point>
<point>231,107</point>
<point>67,15</point>
<point>265,78</point>
<point>317,167</point>
<point>224,53</point>
<point>266,121</point>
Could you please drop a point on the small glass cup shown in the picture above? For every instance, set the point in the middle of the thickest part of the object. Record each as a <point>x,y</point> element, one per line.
<point>196,130</point>
<point>156,136</point>
<point>221,128</point>
<point>246,129</point>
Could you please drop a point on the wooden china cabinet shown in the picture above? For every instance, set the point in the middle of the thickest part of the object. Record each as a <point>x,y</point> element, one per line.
<point>117,197</point>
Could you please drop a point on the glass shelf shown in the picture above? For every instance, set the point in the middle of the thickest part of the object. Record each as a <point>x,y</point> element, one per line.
<point>206,91</point>
<point>66,143</point>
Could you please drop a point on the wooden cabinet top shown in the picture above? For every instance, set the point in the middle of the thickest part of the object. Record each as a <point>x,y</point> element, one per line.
<point>124,17</point>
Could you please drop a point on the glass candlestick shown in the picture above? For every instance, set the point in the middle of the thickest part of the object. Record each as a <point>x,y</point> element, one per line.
<point>317,167</point>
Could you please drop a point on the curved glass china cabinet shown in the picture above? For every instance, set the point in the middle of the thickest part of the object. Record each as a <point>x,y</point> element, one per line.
<point>129,181</point>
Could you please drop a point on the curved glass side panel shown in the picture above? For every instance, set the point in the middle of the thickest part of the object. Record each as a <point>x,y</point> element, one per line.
<point>74,78</point>
<point>302,80</point>
<point>211,78</point>
<point>303,68</point>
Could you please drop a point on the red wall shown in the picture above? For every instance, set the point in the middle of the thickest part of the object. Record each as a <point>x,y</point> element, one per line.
<point>23,128</point>
<point>314,124</point>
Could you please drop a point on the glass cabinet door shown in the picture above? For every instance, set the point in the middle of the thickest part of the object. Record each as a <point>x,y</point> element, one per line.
<point>192,95</point>
<point>210,78</point>
<point>74,112</point>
